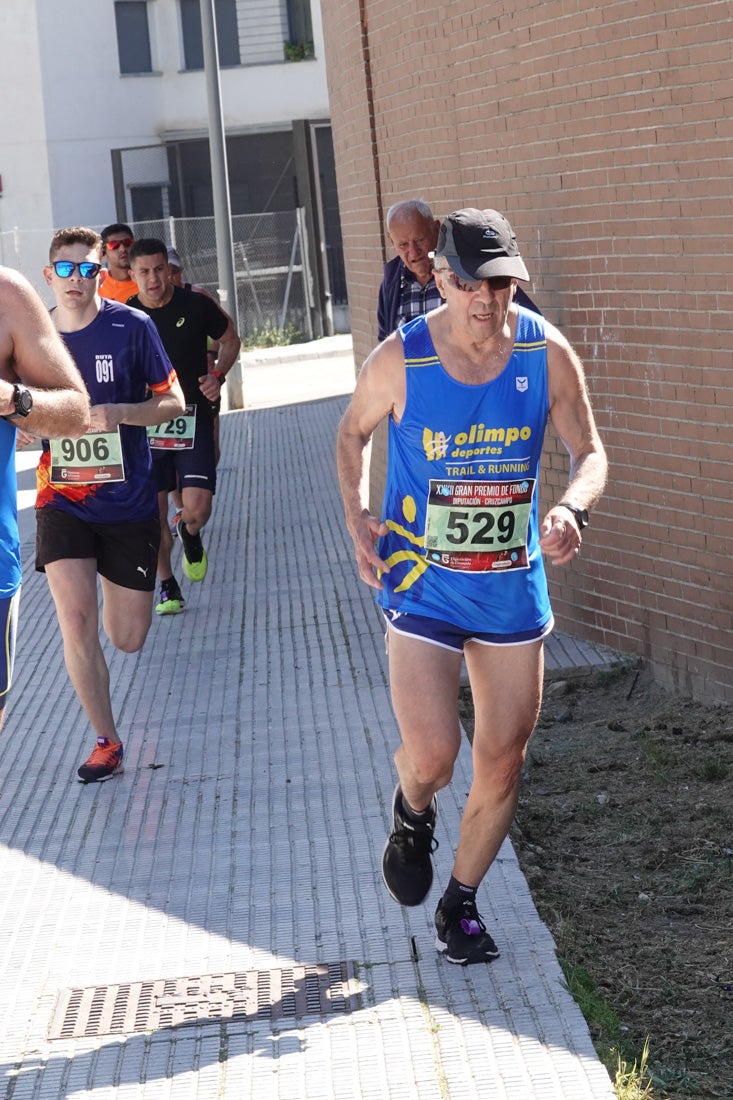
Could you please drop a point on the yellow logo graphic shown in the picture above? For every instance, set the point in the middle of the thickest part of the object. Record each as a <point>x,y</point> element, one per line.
<point>435,444</point>
<point>409,510</point>
<point>180,321</point>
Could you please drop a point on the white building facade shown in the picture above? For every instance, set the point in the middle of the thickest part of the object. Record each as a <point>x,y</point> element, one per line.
<point>105,114</point>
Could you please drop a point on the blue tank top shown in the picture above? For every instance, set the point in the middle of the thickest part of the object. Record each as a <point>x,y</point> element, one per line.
<point>462,485</point>
<point>10,571</point>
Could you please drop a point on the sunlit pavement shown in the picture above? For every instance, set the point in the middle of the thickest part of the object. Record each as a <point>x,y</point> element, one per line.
<point>213,923</point>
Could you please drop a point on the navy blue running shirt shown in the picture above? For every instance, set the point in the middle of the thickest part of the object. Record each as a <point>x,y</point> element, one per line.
<point>121,358</point>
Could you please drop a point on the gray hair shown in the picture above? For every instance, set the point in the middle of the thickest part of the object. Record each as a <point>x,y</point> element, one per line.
<point>408,208</point>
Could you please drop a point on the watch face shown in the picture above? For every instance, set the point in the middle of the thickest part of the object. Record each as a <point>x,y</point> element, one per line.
<point>580,515</point>
<point>23,400</point>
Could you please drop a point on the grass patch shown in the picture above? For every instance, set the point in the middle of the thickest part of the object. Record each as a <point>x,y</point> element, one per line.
<point>714,769</point>
<point>632,1082</point>
<point>271,336</point>
<point>623,830</point>
<point>631,1078</point>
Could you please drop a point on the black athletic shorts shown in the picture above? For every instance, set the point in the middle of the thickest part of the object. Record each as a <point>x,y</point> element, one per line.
<point>126,553</point>
<point>194,469</point>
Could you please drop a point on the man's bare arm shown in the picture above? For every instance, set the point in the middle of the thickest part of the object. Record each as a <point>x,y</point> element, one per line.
<point>159,408</point>
<point>33,353</point>
<point>573,420</point>
<point>379,392</point>
<point>230,346</point>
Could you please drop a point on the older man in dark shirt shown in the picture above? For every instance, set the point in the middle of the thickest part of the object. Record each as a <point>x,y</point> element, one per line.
<point>408,288</point>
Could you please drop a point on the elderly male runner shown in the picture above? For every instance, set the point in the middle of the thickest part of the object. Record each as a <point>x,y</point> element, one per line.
<point>41,393</point>
<point>467,390</point>
<point>97,509</point>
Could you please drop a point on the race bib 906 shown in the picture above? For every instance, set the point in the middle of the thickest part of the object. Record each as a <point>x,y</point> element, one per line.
<point>94,459</point>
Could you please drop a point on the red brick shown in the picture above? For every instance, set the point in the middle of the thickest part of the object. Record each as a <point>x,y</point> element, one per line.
<point>604,133</point>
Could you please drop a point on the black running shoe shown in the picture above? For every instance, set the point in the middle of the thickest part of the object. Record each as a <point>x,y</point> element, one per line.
<point>407,867</point>
<point>462,935</point>
<point>171,601</point>
<point>195,563</point>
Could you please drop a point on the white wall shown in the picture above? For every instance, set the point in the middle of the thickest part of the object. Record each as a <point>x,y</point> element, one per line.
<point>23,166</point>
<point>69,94</point>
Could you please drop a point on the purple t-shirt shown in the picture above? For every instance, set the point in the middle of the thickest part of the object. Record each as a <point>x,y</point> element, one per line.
<point>120,357</point>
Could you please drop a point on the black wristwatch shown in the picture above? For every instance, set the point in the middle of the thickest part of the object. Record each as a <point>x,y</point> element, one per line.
<point>579,514</point>
<point>23,400</point>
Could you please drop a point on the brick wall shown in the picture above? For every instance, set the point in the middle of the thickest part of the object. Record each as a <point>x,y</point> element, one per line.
<point>605,135</point>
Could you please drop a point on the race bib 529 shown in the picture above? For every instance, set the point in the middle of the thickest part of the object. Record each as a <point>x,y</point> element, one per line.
<point>478,526</point>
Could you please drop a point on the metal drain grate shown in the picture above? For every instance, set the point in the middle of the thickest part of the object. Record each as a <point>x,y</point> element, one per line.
<point>325,989</point>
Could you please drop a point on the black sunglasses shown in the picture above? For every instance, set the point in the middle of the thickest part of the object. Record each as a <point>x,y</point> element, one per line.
<point>471,286</point>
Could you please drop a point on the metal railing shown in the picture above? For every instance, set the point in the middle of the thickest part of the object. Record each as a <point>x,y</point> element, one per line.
<point>273,278</point>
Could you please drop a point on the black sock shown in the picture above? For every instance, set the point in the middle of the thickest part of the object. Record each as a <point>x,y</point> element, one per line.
<point>456,893</point>
<point>192,543</point>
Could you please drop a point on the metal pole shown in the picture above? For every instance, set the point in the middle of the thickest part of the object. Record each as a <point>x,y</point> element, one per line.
<point>227,289</point>
<point>289,280</point>
<point>306,269</point>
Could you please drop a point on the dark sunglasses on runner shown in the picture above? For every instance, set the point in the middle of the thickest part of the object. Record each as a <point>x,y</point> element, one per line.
<point>65,268</point>
<point>126,242</point>
<point>470,286</point>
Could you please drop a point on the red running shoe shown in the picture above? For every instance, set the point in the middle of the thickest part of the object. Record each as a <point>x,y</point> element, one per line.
<point>105,761</point>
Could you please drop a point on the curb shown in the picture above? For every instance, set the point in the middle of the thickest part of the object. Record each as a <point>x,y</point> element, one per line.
<point>326,348</point>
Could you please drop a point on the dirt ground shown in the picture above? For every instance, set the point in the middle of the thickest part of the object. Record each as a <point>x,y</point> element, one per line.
<point>624,831</point>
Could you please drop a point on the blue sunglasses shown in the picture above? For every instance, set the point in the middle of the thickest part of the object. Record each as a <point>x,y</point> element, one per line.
<point>65,268</point>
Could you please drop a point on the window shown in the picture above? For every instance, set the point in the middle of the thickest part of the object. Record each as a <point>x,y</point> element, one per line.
<point>148,202</point>
<point>133,36</point>
<point>300,28</point>
<point>227,33</point>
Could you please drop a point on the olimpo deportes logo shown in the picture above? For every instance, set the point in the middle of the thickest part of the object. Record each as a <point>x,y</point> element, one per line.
<point>479,441</point>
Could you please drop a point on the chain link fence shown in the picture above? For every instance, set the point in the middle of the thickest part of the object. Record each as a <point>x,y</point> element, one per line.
<point>273,279</point>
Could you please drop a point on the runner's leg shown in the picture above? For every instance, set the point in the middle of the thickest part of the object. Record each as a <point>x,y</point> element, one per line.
<point>73,585</point>
<point>126,616</point>
<point>506,683</point>
<point>424,682</point>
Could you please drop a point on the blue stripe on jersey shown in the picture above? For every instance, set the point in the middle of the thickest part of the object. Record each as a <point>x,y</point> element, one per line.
<point>10,571</point>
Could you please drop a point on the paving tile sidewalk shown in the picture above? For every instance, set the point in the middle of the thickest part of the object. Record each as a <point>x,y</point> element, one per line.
<point>213,923</point>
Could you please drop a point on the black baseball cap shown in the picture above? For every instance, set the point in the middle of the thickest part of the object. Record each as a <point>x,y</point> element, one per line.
<point>478,244</point>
